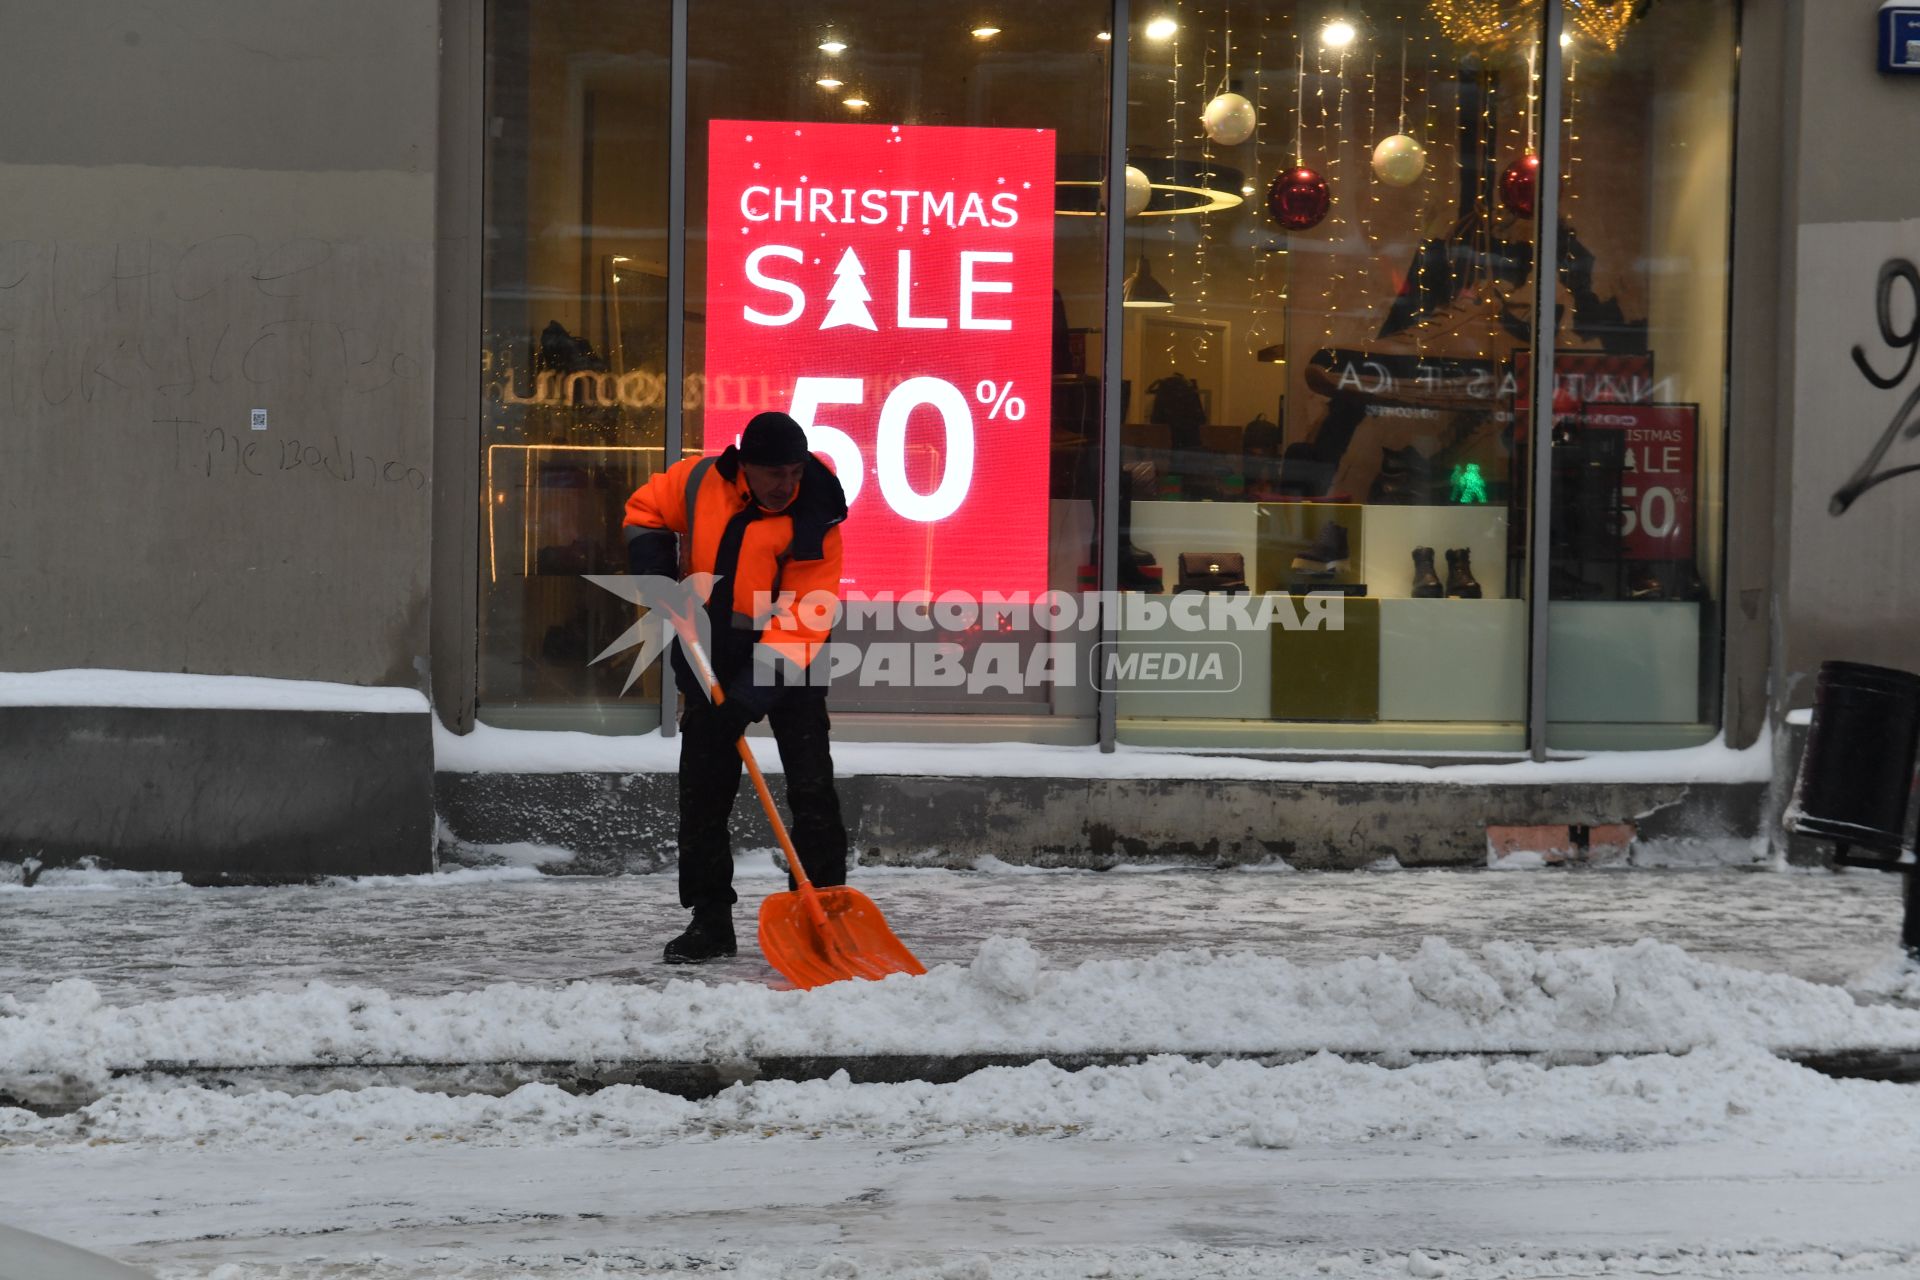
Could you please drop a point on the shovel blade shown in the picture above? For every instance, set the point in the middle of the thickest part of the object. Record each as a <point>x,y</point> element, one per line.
<point>856,942</point>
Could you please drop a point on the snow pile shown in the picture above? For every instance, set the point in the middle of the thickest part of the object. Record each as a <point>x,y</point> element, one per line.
<point>87,877</point>
<point>1172,1261</point>
<point>1720,1094</point>
<point>1502,997</point>
<point>1896,978</point>
<point>1010,967</point>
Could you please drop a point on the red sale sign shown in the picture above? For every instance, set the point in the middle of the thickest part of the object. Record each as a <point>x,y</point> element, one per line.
<point>1657,483</point>
<point>891,287</point>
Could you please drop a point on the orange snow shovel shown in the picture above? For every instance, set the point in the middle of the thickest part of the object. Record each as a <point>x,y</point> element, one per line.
<point>812,936</point>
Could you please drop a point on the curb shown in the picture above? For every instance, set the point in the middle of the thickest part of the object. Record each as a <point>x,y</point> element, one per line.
<point>695,1080</point>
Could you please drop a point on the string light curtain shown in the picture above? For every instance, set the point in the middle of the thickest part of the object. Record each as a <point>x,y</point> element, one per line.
<point>1512,25</point>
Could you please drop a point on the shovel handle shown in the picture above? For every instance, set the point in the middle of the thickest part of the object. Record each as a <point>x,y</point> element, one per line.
<point>704,669</point>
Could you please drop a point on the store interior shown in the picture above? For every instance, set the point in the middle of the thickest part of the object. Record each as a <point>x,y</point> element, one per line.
<point>1325,340</point>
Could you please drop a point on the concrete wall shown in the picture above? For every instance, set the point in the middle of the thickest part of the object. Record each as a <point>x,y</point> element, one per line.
<point>625,822</point>
<point>1850,582</point>
<point>222,796</point>
<point>213,208</point>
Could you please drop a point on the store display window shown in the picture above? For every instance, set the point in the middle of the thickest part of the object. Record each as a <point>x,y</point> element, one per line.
<point>1328,335</point>
<point>1325,519</point>
<point>573,408</point>
<point>1636,551</point>
<point>874,230</point>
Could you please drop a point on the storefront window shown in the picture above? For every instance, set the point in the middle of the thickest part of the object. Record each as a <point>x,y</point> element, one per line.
<point>1640,431</point>
<point>574,357</point>
<point>1328,297</point>
<point>893,221</point>
<point>896,231</point>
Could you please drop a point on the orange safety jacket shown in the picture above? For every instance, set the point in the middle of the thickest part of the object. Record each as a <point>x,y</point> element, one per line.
<point>761,556</point>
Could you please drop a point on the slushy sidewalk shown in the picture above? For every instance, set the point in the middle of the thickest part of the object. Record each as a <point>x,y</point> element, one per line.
<point>485,980</point>
<point>468,929</point>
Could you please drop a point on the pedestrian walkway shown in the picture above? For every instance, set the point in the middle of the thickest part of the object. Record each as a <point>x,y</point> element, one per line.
<point>465,930</point>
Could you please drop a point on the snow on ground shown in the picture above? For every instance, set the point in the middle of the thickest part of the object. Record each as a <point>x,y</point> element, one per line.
<point>1501,998</point>
<point>487,749</point>
<point>467,929</point>
<point>794,1205</point>
<point>1725,1162</point>
<point>1723,1094</point>
<point>1716,1160</point>
<point>82,879</point>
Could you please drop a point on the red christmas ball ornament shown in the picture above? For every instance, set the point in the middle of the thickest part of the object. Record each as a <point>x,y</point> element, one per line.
<point>1520,184</point>
<point>1299,199</point>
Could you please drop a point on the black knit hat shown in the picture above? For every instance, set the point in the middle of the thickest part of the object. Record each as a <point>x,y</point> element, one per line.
<point>773,439</point>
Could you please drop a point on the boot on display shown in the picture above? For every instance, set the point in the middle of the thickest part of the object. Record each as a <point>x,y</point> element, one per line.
<point>1460,579</point>
<point>1426,583</point>
<point>1327,556</point>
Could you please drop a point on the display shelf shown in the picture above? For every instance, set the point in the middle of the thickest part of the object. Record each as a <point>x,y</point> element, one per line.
<point>1453,660</point>
<point>1381,539</point>
<point>1285,530</point>
<point>1394,531</point>
<point>1165,529</point>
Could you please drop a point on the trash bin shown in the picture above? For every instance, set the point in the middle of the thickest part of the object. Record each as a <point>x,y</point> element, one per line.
<point>1857,774</point>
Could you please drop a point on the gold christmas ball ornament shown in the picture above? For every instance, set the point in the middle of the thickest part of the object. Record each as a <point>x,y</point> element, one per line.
<point>1139,192</point>
<point>1229,119</point>
<point>1399,161</point>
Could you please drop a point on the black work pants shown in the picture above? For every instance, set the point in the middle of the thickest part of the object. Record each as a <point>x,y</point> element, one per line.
<point>710,770</point>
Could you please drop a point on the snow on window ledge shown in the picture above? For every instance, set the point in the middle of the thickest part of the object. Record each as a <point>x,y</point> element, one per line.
<point>488,749</point>
<point>99,687</point>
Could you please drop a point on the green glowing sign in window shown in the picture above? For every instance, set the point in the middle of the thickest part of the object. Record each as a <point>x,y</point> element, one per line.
<point>1469,485</point>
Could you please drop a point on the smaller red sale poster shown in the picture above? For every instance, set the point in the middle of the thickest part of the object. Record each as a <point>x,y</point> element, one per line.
<point>1657,506</point>
<point>891,287</point>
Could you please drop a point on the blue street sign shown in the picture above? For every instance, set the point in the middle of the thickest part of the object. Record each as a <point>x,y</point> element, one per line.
<point>1900,37</point>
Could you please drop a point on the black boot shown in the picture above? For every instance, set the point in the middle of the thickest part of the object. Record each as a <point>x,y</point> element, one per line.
<point>709,937</point>
<point>1426,583</point>
<point>1405,476</point>
<point>1460,579</point>
<point>1328,554</point>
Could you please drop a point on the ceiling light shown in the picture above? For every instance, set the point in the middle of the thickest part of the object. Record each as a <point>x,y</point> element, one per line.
<point>856,104</point>
<point>1104,35</point>
<point>1337,34</point>
<point>1174,187</point>
<point>985,33</point>
<point>1142,290</point>
<point>828,82</point>
<point>1566,39</point>
<point>1161,29</point>
<point>833,46</point>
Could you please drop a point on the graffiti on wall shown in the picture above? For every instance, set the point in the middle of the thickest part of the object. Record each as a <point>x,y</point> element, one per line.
<point>1898,338</point>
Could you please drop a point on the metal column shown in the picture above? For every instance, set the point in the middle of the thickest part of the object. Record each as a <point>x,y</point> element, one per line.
<point>1546,279</point>
<point>1118,58</point>
<point>675,393</point>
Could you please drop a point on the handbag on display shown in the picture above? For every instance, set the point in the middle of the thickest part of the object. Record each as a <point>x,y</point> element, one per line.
<point>1212,571</point>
